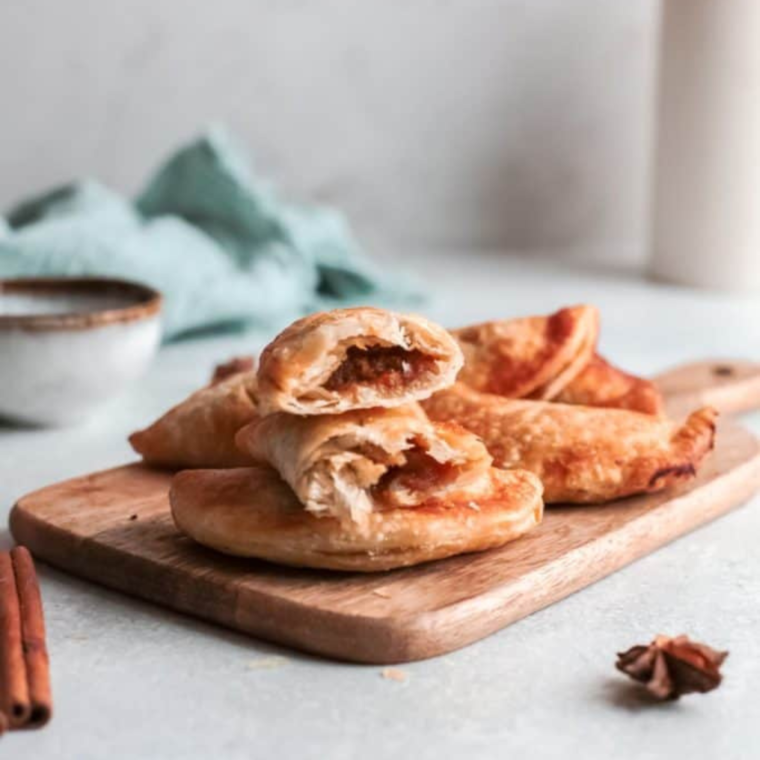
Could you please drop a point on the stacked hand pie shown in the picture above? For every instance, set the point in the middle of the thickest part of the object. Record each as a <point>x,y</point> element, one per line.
<point>347,471</point>
<point>354,448</point>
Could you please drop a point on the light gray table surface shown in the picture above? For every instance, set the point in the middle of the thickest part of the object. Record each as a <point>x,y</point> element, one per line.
<point>132,680</point>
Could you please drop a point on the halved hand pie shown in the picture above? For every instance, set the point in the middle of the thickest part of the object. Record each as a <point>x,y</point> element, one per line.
<point>355,359</point>
<point>368,460</point>
<point>251,512</point>
<point>581,454</point>
<point>200,431</point>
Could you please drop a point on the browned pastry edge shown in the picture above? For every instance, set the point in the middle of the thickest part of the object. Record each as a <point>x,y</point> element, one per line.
<point>582,455</point>
<point>200,431</point>
<point>251,512</point>
<point>528,356</point>
<point>602,384</point>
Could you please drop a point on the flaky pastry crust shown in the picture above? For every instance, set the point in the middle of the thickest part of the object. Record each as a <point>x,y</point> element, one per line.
<point>581,454</point>
<point>532,357</point>
<point>602,384</point>
<point>323,363</point>
<point>251,512</point>
<point>351,464</point>
<point>200,431</point>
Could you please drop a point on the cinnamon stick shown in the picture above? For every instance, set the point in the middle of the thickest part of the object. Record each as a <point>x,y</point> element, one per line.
<point>33,638</point>
<point>25,698</point>
<point>14,688</point>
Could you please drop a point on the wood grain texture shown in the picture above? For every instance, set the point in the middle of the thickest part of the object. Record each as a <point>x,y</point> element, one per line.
<point>114,528</point>
<point>731,386</point>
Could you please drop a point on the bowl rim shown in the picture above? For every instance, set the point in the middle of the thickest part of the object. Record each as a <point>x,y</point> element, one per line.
<point>147,302</point>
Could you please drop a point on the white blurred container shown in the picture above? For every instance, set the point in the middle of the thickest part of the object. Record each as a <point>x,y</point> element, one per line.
<point>706,212</point>
<point>69,345</point>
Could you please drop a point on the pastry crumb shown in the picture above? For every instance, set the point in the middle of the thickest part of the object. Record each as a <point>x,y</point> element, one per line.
<point>267,663</point>
<point>394,674</point>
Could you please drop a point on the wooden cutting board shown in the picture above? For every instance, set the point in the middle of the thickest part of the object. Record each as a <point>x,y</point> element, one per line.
<point>730,386</point>
<point>114,528</point>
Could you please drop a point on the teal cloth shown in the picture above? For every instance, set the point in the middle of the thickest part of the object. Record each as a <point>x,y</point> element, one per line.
<point>207,233</point>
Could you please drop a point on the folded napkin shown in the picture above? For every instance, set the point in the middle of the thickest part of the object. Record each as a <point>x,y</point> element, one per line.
<point>213,238</point>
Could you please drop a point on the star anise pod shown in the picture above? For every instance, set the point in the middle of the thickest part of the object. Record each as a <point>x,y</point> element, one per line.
<point>670,667</point>
<point>234,366</point>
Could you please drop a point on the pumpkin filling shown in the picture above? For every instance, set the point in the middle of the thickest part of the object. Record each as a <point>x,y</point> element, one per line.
<point>418,476</point>
<point>391,368</point>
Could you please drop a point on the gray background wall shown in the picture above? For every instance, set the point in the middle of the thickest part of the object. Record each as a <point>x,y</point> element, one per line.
<point>515,124</point>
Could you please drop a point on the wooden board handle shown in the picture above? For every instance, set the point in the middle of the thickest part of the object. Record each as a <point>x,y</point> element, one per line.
<point>731,386</point>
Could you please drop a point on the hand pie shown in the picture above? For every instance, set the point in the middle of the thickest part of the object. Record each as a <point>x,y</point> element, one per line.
<point>532,357</point>
<point>581,454</point>
<point>355,359</point>
<point>200,432</point>
<point>251,512</point>
<point>601,384</point>
<point>349,465</point>
<point>551,358</point>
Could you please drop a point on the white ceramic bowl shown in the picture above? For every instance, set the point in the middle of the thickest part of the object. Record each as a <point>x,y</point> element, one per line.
<point>69,345</point>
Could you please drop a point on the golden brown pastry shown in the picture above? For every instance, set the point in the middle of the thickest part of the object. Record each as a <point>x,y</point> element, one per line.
<point>355,359</point>
<point>237,365</point>
<point>551,358</point>
<point>351,464</point>
<point>200,431</point>
<point>531,357</point>
<point>601,384</point>
<point>581,454</point>
<point>251,512</point>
